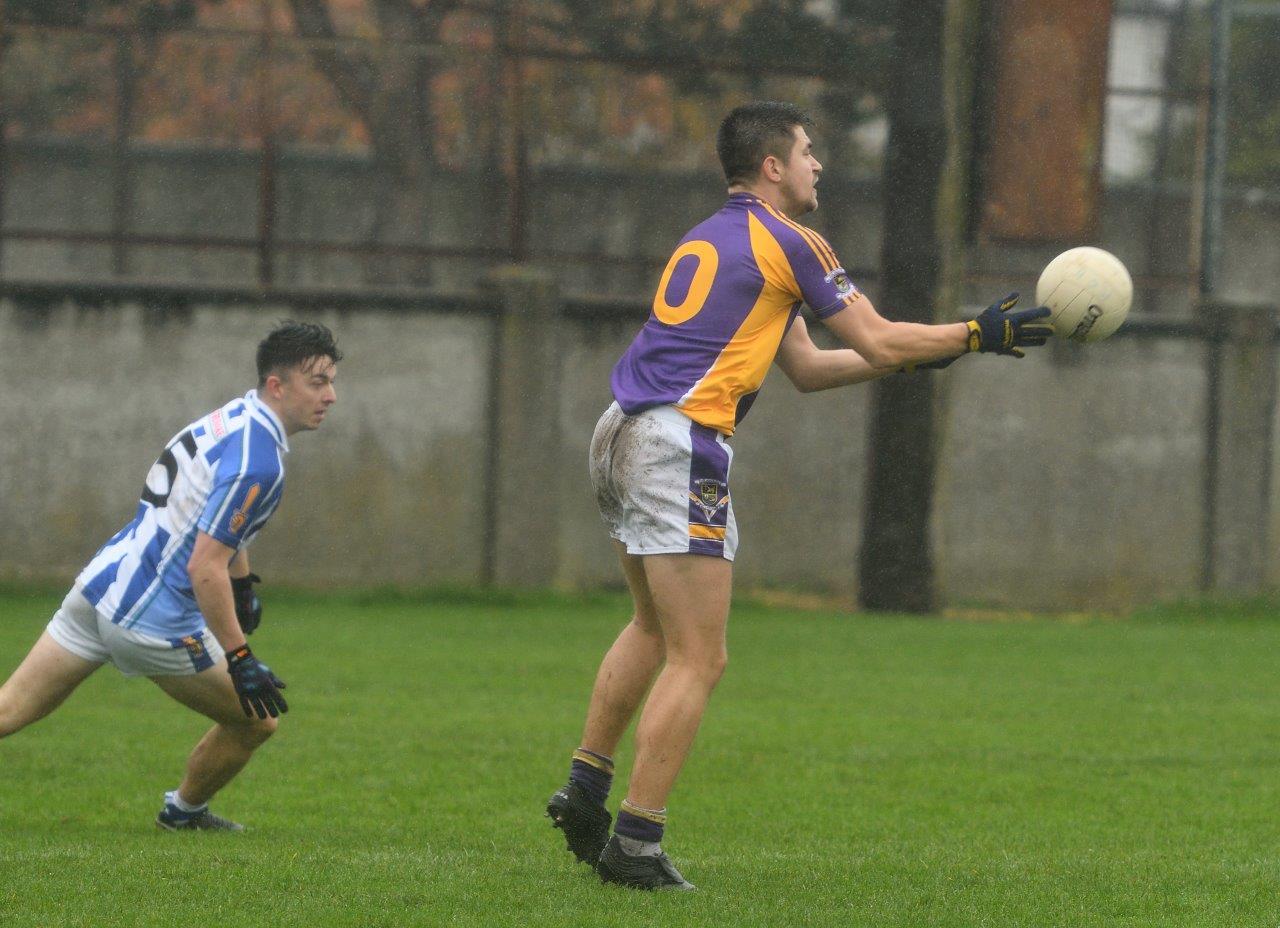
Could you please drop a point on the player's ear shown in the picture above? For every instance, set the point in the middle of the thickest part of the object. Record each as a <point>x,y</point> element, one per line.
<point>771,168</point>
<point>274,386</point>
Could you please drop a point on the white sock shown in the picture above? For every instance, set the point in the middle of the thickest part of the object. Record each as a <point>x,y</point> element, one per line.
<point>637,848</point>
<point>174,798</point>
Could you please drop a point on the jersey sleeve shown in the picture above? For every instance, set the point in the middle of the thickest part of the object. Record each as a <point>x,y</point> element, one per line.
<point>819,279</point>
<point>245,477</point>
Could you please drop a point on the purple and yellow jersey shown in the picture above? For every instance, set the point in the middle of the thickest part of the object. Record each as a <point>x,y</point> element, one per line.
<point>726,299</point>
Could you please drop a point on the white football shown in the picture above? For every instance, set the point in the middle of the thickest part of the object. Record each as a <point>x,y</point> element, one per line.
<point>1088,292</point>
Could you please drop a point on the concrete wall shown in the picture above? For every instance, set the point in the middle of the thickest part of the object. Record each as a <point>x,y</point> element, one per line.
<point>1098,453</point>
<point>392,493</point>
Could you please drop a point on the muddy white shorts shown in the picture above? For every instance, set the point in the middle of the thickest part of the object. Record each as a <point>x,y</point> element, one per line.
<point>662,483</point>
<point>78,628</point>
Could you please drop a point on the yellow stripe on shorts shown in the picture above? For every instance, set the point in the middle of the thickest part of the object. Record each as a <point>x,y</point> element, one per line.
<point>714,532</point>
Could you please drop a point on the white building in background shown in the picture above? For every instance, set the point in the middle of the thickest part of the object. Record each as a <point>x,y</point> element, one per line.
<point>1140,43</point>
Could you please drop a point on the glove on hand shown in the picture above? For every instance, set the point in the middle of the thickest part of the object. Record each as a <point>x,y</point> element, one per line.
<point>248,606</point>
<point>258,688</point>
<point>1004,332</point>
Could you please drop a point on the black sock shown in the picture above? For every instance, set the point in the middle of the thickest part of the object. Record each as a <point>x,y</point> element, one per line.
<point>593,773</point>
<point>640,823</point>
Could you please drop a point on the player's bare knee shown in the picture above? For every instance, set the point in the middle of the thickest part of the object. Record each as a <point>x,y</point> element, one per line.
<point>265,728</point>
<point>647,622</point>
<point>11,720</point>
<point>716,665</point>
<point>254,732</point>
<point>707,666</point>
<point>711,665</point>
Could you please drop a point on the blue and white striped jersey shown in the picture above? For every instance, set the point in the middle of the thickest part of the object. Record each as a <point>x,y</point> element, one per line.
<point>222,475</point>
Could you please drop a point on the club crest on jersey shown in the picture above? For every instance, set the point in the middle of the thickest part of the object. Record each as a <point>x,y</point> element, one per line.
<point>839,279</point>
<point>241,516</point>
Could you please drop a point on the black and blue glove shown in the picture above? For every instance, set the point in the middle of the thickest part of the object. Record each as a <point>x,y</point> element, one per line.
<point>1004,332</point>
<point>248,606</point>
<point>258,688</point>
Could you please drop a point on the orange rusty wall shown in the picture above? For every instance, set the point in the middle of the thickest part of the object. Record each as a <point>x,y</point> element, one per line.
<point>1044,133</point>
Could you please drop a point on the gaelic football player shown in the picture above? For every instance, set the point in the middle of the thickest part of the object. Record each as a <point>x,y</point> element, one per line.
<point>170,595</point>
<point>726,308</point>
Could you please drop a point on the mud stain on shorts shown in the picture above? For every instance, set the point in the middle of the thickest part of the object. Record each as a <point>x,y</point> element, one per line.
<point>627,452</point>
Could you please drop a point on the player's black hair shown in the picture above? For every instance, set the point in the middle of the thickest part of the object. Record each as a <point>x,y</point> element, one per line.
<point>292,344</point>
<point>754,131</point>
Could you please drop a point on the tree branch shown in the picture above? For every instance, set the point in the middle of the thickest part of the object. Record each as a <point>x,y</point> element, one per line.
<point>353,75</point>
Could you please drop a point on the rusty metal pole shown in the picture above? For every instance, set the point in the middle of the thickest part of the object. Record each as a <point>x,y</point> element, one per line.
<point>267,163</point>
<point>519,209</point>
<point>4,132</point>
<point>1215,173</point>
<point>495,183</point>
<point>121,175</point>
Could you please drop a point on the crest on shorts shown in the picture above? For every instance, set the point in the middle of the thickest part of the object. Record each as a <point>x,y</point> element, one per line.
<point>839,279</point>
<point>708,497</point>
<point>194,646</point>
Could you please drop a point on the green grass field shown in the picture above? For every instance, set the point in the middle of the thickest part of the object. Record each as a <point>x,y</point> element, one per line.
<point>852,770</point>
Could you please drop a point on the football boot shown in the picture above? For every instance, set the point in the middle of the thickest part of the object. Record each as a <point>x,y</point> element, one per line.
<point>641,871</point>
<point>585,823</point>
<point>171,818</point>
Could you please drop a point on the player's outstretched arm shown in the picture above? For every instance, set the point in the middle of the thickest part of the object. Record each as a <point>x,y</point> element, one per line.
<point>891,345</point>
<point>811,368</point>
<point>908,344</point>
